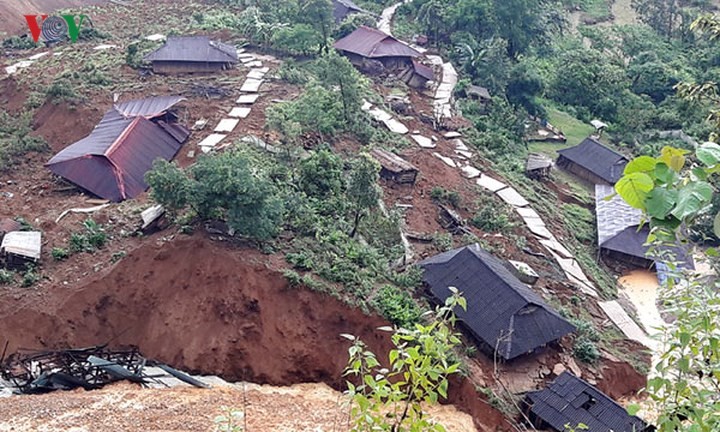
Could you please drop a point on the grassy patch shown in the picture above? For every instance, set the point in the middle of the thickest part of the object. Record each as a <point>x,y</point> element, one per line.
<point>575,131</point>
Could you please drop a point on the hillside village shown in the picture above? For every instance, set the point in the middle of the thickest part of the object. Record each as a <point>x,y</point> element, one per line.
<point>205,205</point>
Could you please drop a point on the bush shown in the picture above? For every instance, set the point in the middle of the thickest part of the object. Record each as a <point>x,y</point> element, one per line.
<point>397,306</point>
<point>443,242</point>
<point>412,277</point>
<point>585,350</point>
<point>19,43</point>
<point>291,73</point>
<point>6,277</point>
<point>91,33</point>
<point>60,254</point>
<point>30,277</point>
<point>445,196</point>
<point>580,222</point>
<point>586,329</point>
<point>492,218</point>
<point>61,89</point>
<point>93,238</point>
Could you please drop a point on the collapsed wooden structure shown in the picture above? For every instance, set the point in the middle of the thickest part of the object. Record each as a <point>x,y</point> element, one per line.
<point>394,167</point>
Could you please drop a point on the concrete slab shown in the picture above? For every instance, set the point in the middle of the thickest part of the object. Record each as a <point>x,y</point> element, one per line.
<point>449,162</point>
<point>490,183</point>
<point>523,271</point>
<point>104,47</point>
<point>254,64</point>
<point>527,212</point>
<point>556,246</point>
<point>460,145</point>
<point>512,197</point>
<point>256,74</point>
<point>211,140</point>
<point>247,99</point>
<point>469,171</point>
<point>155,37</point>
<point>379,115</point>
<point>240,112</point>
<point>452,134</point>
<point>626,324</point>
<point>246,57</point>
<point>464,154</point>
<point>227,125</point>
<point>540,230</point>
<point>366,106</point>
<point>423,142</point>
<point>24,63</point>
<point>38,56</point>
<point>395,126</point>
<point>251,85</point>
<point>435,60</point>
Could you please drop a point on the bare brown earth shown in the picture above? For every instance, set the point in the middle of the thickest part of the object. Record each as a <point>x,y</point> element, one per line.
<point>209,307</point>
<point>125,407</point>
<point>12,11</point>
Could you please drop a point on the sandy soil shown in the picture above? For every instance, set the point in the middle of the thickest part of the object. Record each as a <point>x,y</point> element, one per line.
<point>125,407</point>
<point>641,287</point>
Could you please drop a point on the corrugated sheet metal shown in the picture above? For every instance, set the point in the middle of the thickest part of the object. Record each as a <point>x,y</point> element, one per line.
<point>537,161</point>
<point>391,161</point>
<point>194,49</point>
<point>593,156</point>
<point>149,107</point>
<point>570,400</point>
<point>22,243</point>
<point>373,43</point>
<point>343,8</point>
<point>423,70</point>
<point>498,304</point>
<point>112,161</point>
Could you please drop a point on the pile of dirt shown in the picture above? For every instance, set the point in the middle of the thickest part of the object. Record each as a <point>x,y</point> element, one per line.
<point>125,407</point>
<point>212,308</point>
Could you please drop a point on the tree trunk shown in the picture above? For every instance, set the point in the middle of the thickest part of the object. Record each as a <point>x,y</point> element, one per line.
<point>358,216</point>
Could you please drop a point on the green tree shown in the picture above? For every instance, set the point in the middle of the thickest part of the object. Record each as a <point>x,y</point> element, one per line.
<point>321,175</point>
<point>230,186</point>
<point>662,15</point>
<point>335,71</point>
<point>319,14</point>
<point>390,399</point>
<point>298,39</point>
<point>363,191</point>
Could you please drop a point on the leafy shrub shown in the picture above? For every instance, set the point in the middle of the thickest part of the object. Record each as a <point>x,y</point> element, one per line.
<point>298,39</point>
<point>492,218</point>
<point>445,196</point>
<point>117,256</point>
<point>397,306</point>
<point>585,350</point>
<point>443,242</point>
<point>291,73</point>
<point>300,260</point>
<point>293,278</point>
<point>6,277</point>
<point>136,51</point>
<point>91,33</point>
<point>30,277</point>
<point>580,222</point>
<point>412,277</point>
<point>61,89</point>
<point>586,329</point>
<point>18,43</point>
<point>60,254</point>
<point>78,243</point>
<point>96,236</point>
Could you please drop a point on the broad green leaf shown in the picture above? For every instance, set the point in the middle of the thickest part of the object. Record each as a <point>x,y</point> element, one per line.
<point>673,157</point>
<point>634,187</point>
<point>699,174</point>
<point>443,388</point>
<point>664,174</point>
<point>716,225</point>
<point>640,164</point>
<point>709,154</point>
<point>633,409</point>
<point>660,202</point>
<point>691,199</point>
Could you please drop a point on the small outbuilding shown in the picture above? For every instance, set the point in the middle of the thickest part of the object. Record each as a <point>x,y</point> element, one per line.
<point>593,161</point>
<point>366,46</point>
<point>538,166</point>
<point>478,93</point>
<point>189,54</point>
<point>344,8</point>
<point>21,247</point>
<point>112,161</point>
<point>572,401</point>
<point>503,314</point>
<point>394,167</point>
<point>8,225</point>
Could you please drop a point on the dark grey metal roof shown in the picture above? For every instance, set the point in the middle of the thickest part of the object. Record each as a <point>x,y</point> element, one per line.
<point>194,49</point>
<point>391,161</point>
<point>570,400</point>
<point>343,8</point>
<point>478,91</point>
<point>372,43</point>
<point>501,310</point>
<point>596,158</point>
<point>149,107</point>
<point>537,161</point>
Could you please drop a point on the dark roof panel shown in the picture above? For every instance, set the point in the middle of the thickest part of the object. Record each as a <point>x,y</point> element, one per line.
<point>343,8</point>
<point>501,311</point>
<point>596,158</point>
<point>112,161</point>
<point>194,49</point>
<point>423,70</point>
<point>372,43</point>
<point>149,107</point>
<point>570,400</point>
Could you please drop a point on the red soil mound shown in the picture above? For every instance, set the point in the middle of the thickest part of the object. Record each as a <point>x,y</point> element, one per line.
<point>211,309</point>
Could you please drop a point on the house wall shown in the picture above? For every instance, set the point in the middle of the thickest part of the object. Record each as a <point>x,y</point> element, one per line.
<point>627,259</point>
<point>162,67</point>
<point>417,81</point>
<point>399,177</point>
<point>579,171</point>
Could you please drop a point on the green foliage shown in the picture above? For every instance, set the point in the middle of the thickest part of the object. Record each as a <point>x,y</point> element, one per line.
<point>410,278</point>
<point>16,140</point>
<point>91,33</point>
<point>321,175</point>
<point>298,39</point>
<point>6,277</point>
<point>61,90</point>
<point>419,366</point>
<point>136,52</point>
<point>363,191</point>
<point>445,196</point>
<point>442,242</point>
<point>231,186</point>
<point>230,420</point>
<point>60,254</point>
<point>397,306</point>
<point>92,238</point>
<point>580,222</point>
<point>18,43</point>
<point>117,256</point>
<point>493,216</point>
<point>585,350</point>
<point>30,277</point>
<point>291,72</point>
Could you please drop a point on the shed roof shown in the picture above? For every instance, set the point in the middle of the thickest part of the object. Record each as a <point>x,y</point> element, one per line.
<point>537,161</point>
<point>423,70</point>
<point>343,8</point>
<point>22,243</point>
<point>372,43</point>
<point>571,400</point>
<point>7,225</point>
<point>194,49</point>
<point>596,158</point>
<point>391,161</point>
<point>501,311</point>
<point>112,161</point>
<point>480,92</point>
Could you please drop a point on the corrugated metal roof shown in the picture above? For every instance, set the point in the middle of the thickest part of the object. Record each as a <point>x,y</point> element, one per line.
<point>23,243</point>
<point>343,8</point>
<point>194,49</point>
<point>112,161</point>
<point>596,158</point>
<point>373,43</point>
<point>537,161</point>
<point>498,304</point>
<point>423,70</point>
<point>479,91</point>
<point>570,400</point>
<point>149,107</point>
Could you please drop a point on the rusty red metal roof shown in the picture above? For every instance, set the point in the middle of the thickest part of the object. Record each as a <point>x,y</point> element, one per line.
<point>112,161</point>
<point>194,49</point>
<point>372,43</point>
<point>423,70</point>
